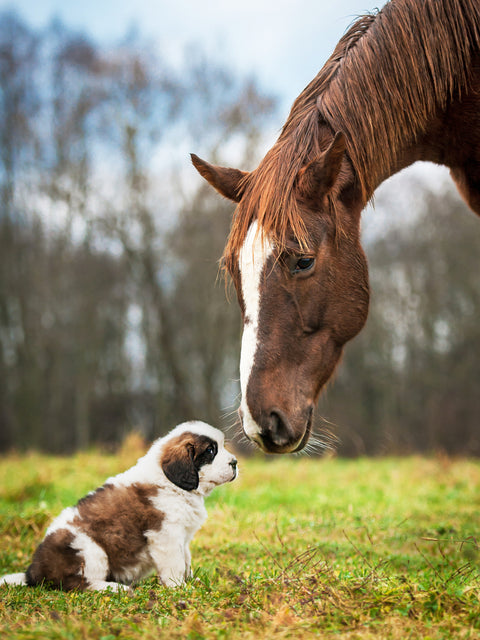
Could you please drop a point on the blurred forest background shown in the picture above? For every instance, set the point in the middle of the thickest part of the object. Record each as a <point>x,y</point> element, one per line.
<point>113,317</point>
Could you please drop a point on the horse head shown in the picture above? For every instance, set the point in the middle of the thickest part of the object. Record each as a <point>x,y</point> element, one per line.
<point>301,299</point>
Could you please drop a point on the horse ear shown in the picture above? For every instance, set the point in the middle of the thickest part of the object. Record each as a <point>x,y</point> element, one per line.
<point>318,177</point>
<point>228,182</point>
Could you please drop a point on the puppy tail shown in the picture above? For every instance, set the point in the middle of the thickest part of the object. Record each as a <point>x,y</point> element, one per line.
<point>14,578</point>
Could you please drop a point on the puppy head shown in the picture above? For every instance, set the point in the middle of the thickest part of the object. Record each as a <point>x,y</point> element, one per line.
<point>194,458</point>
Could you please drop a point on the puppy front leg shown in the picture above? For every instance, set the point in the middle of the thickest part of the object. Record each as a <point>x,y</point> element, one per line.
<point>169,557</point>
<point>172,571</point>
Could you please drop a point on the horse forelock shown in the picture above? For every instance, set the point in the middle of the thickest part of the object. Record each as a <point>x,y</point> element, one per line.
<point>387,76</point>
<point>269,191</point>
<point>269,194</point>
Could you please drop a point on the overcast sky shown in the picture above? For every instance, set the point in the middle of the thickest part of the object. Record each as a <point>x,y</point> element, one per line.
<point>284,42</point>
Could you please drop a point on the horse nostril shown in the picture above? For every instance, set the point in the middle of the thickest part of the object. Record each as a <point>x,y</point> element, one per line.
<point>278,429</point>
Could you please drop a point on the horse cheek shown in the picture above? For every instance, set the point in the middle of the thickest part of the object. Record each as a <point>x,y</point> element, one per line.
<point>351,295</point>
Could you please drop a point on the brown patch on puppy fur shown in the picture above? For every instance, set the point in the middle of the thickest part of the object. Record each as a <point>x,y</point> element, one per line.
<point>183,456</point>
<point>56,564</point>
<point>116,518</point>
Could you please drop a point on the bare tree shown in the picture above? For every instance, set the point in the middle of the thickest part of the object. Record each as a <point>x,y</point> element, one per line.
<point>94,232</point>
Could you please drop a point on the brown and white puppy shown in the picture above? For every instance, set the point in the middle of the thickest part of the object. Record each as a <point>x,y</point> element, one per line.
<point>139,521</point>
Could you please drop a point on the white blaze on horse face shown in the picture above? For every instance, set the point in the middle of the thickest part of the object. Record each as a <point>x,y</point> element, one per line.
<point>252,259</point>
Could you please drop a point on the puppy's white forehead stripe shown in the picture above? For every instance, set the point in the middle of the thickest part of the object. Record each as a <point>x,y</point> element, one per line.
<point>252,259</point>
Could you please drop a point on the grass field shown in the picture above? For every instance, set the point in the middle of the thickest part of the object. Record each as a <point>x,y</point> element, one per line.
<point>296,548</point>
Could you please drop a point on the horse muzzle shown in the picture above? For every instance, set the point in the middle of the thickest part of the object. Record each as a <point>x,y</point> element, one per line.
<point>275,432</point>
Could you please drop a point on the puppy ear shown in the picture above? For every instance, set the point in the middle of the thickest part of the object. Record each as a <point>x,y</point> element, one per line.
<point>178,466</point>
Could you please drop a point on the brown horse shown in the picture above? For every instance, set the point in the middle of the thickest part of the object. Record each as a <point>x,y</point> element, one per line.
<point>402,85</point>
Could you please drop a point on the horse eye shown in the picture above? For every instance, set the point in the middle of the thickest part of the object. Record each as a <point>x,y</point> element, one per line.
<point>304,264</point>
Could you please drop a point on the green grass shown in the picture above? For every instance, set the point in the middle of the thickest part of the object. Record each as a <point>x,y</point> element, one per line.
<point>296,548</point>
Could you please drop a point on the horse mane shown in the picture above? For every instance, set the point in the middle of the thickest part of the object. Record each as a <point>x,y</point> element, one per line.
<point>387,76</point>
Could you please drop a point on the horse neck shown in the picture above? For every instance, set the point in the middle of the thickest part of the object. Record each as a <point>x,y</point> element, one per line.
<point>393,106</point>
<point>436,142</point>
<point>450,138</point>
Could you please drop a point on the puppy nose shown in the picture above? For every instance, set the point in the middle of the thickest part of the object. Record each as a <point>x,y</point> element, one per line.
<point>233,464</point>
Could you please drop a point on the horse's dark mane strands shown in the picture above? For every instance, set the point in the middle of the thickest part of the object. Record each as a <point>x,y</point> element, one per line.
<point>387,76</point>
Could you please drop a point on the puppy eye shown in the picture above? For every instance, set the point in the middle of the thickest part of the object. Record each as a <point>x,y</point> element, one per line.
<point>211,452</point>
